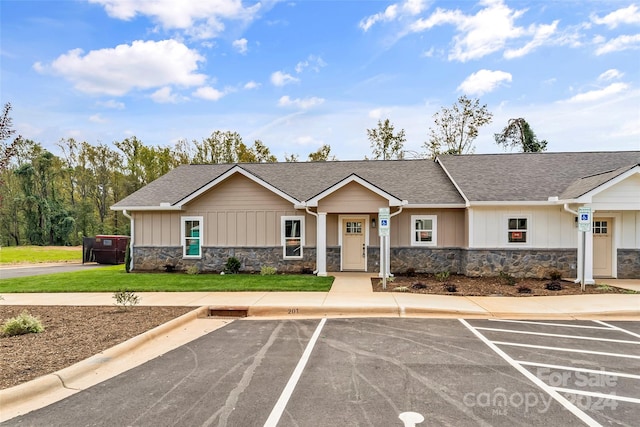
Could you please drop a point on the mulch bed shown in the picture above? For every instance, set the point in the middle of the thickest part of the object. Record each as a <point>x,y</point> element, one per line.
<point>487,286</point>
<point>71,334</point>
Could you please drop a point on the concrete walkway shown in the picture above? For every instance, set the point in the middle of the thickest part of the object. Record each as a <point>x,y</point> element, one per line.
<point>352,295</point>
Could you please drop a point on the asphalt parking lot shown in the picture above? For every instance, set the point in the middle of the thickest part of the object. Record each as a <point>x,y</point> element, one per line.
<point>375,372</point>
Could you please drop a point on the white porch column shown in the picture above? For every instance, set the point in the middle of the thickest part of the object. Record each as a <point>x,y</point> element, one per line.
<point>321,243</point>
<point>588,257</point>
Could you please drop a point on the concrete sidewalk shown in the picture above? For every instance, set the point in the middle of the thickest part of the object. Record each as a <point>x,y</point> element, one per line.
<point>352,295</point>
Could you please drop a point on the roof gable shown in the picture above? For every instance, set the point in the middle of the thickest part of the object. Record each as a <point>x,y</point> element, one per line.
<point>393,201</point>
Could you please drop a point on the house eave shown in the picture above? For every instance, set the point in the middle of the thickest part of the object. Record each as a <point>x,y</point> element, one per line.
<point>146,208</point>
<point>435,205</point>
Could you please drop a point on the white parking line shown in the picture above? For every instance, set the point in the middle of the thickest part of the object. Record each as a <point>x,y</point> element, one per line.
<point>544,334</point>
<point>537,381</point>
<point>278,409</point>
<point>570,350</point>
<point>584,370</point>
<point>617,328</point>
<point>598,395</point>
<point>564,325</point>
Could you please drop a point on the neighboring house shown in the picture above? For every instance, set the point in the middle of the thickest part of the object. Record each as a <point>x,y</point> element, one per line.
<point>470,214</point>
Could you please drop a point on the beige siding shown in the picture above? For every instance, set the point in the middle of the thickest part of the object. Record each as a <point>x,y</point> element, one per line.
<point>157,228</point>
<point>352,198</point>
<point>451,227</point>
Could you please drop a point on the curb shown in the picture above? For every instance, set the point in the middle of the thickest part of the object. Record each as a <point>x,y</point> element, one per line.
<point>59,379</point>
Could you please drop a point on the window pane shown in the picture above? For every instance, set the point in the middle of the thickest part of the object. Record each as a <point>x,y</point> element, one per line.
<point>522,224</point>
<point>517,236</point>
<point>424,236</point>
<point>292,247</point>
<point>513,223</point>
<point>292,228</point>
<point>424,224</point>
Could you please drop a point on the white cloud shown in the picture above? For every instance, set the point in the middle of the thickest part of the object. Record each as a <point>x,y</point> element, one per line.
<point>164,95</point>
<point>304,104</point>
<point>97,118</point>
<point>627,15</point>
<point>598,94</point>
<point>611,74</point>
<point>620,43</point>
<point>486,32</point>
<point>209,93</point>
<point>483,81</point>
<point>394,12</point>
<point>200,19</point>
<point>541,36</point>
<point>141,65</point>
<point>240,45</point>
<point>112,103</point>
<point>251,85</point>
<point>378,113</point>
<point>312,62</point>
<point>280,78</point>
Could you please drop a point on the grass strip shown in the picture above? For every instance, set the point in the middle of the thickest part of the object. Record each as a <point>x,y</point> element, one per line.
<point>114,278</point>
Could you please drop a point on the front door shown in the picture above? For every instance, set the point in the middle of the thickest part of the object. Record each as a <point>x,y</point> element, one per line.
<point>602,229</point>
<point>353,244</point>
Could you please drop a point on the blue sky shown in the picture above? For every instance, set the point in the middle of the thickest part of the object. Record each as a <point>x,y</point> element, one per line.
<point>298,75</point>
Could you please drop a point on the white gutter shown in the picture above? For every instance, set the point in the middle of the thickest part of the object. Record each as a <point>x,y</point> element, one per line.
<point>566,208</point>
<point>126,214</point>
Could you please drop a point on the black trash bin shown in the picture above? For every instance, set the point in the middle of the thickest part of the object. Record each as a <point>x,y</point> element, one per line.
<point>110,249</point>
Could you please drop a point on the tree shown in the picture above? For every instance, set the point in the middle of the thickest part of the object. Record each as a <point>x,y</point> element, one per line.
<point>291,158</point>
<point>384,143</point>
<point>322,154</point>
<point>519,134</point>
<point>457,127</point>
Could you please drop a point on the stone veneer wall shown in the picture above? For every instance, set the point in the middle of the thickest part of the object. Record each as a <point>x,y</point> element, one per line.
<point>214,259</point>
<point>471,262</point>
<point>519,262</point>
<point>628,263</point>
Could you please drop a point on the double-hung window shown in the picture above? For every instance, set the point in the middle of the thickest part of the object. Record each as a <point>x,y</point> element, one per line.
<point>517,229</point>
<point>191,233</point>
<point>424,230</point>
<point>292,236</point>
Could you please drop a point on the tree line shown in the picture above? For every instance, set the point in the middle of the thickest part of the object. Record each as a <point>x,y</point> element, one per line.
<point>48,199</point>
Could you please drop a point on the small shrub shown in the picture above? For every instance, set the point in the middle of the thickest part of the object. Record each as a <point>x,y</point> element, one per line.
<point>232,265</point>
<point>25,323</point>
<point>555,275</point>
<point>604,287</point>
<point>266,270</point>
<point>507,279</point>
<point>523,289</point>
<point>553,286</point>
<point>125,299</point>
<point>410,272</point>
<point>193,269</point>
<point>418,285</point>
<point>401,289</point>
<point>127,259</point>
<point>443,276</point>
<point>451,288</point>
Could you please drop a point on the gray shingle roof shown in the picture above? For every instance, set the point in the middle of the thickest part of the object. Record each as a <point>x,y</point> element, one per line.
<point>535,176</point>
<point>417,181</point>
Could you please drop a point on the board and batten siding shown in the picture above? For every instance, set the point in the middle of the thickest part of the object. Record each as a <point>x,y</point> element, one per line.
<point>450,222</point>
<point>549,227</point>
<point>237,212</point>
<point>623,195</point>
<point>352,198</point>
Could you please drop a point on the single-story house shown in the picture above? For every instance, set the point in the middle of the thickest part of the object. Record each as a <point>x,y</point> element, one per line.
<point>470,214</point>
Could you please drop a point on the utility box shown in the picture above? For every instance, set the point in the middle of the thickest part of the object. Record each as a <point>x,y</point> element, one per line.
<point>110,249</point>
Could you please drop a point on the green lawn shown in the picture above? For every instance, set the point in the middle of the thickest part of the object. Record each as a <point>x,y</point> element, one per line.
<point>37,254</point>
<point>114,278</point>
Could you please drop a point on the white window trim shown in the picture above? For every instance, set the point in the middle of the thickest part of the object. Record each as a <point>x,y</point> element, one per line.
<point>529,230</point>
<point>283,238</point>
<point>434,230</point>
<point>183,237</point>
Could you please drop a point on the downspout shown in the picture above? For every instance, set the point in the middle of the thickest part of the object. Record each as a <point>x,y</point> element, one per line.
<point>566,208</point>
<point>306,208</point>
<point>126,214</point>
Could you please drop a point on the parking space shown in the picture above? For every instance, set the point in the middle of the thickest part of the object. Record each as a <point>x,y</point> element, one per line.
<point>378,372</point>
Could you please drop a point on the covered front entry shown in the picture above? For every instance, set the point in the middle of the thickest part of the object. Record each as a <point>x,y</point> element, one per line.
<point>602,245</point>
<point>354,248</point>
